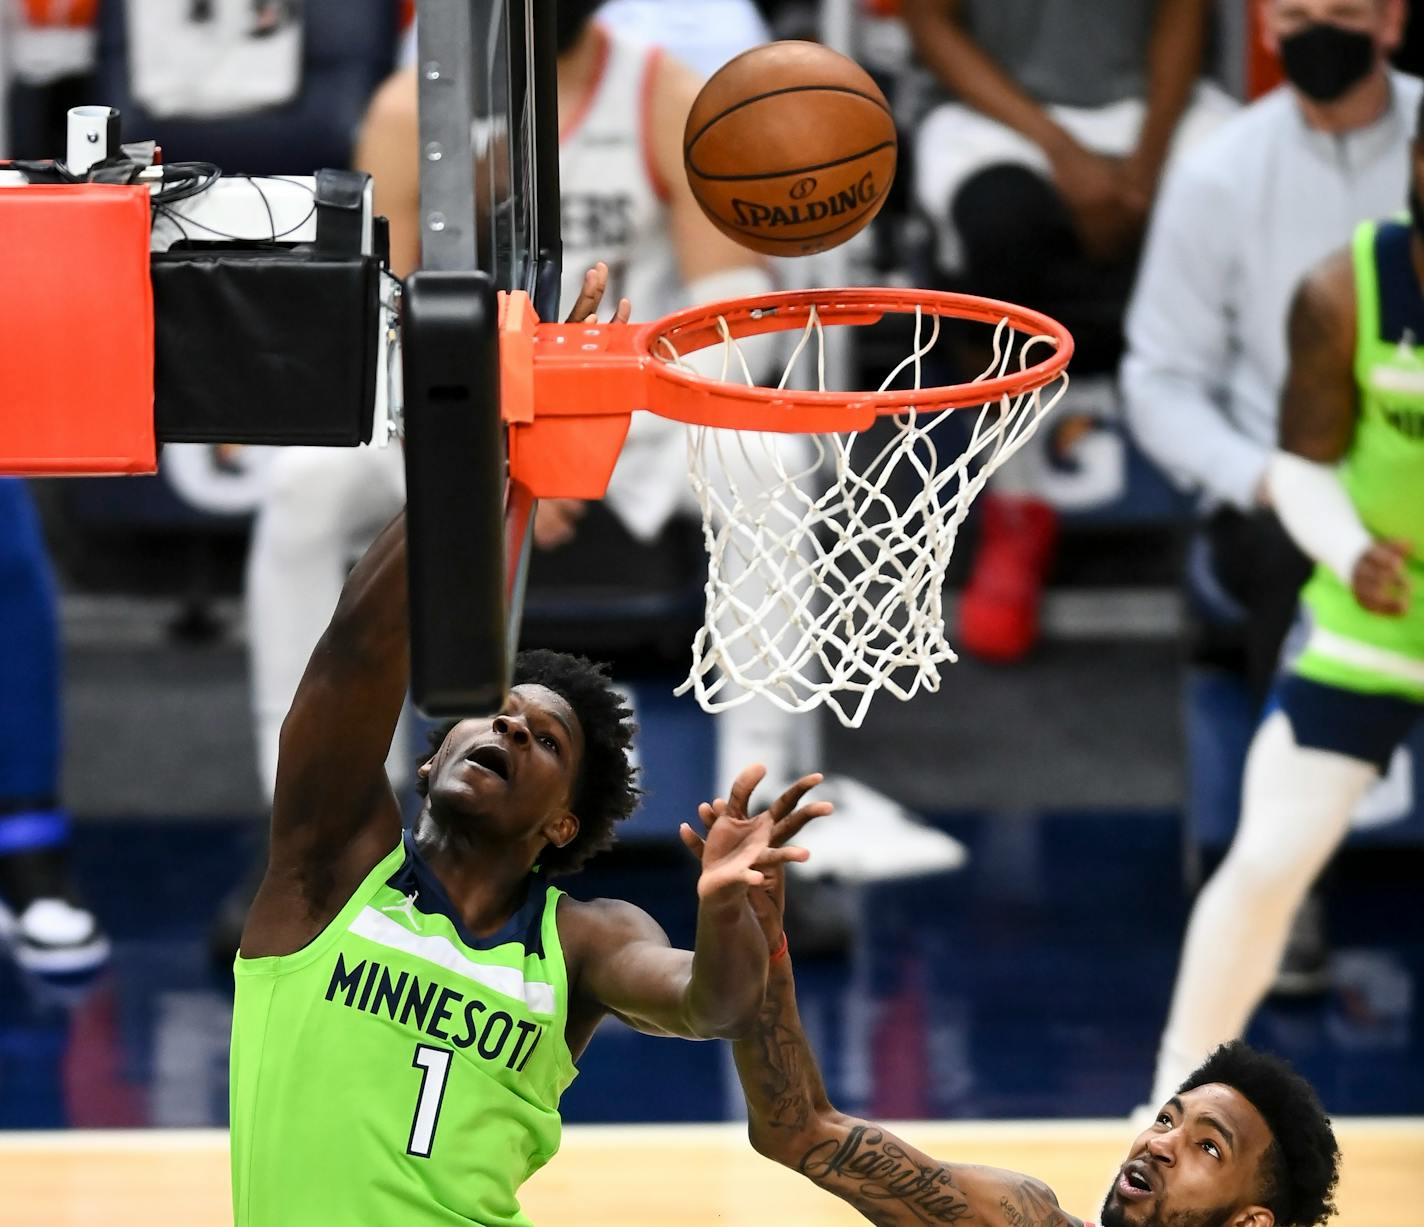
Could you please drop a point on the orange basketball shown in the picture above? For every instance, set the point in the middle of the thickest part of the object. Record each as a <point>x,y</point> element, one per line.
<point>790,148</point>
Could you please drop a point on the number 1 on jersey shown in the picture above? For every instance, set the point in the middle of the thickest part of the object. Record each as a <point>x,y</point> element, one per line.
<point>434,1066</point>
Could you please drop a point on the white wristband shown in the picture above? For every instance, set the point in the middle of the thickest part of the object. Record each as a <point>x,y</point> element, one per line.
<point>1317,512</point>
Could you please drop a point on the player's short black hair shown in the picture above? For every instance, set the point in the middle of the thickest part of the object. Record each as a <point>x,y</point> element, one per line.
<point>606,791</point>
<point>1302,1164</point>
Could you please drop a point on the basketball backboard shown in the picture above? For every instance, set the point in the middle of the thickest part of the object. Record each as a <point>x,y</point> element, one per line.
<point>489,208</point>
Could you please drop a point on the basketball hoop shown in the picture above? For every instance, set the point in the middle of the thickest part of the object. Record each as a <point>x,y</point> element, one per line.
<point>825,578</point>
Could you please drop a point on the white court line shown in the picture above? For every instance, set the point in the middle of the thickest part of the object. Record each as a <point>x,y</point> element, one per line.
<point>138,1140</point>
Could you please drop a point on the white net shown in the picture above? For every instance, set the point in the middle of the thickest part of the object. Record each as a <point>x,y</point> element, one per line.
<point>826,564</point>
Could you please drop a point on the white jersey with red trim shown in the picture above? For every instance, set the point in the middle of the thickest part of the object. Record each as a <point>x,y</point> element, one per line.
<point>614,207</point>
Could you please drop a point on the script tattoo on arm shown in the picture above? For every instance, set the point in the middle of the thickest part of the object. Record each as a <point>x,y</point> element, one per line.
<point>887,1181</point>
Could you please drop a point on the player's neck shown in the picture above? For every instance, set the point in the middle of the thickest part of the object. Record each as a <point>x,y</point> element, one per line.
<point>486,881</point>
<point>1359,107</point>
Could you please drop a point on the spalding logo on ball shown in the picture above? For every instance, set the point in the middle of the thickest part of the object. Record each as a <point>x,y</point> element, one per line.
<point>790,148</point>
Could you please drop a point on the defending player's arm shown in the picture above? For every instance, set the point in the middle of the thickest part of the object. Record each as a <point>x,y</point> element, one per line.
<point>890,1182</point>
<point>792,1120</point>
<point>714,990</point>
<point>1319,408</point>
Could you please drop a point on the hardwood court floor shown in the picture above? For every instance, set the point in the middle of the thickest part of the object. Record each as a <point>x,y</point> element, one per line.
<point>648,1176</point>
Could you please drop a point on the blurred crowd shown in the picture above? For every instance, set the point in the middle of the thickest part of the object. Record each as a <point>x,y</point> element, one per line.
<point>1160,176</point>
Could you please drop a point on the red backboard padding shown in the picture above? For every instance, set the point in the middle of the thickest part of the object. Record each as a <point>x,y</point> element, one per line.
<point>76,331</point>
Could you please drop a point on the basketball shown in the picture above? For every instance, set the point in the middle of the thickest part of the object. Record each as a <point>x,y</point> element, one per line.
<point>790,148</point>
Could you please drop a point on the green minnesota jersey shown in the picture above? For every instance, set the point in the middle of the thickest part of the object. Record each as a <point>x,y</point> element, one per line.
<point>1383,472</point>
<point>398,1070</point>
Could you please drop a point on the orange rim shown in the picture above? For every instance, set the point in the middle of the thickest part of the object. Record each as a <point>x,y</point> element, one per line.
<point>699,328</point>
<point>569,390</point>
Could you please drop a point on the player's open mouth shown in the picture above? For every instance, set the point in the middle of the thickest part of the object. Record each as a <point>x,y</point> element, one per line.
<point>494,759</point>
<point>1135,1182</point>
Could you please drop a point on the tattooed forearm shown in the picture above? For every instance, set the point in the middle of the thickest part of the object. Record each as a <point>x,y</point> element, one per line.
<point>778,1071</point>
<point>875,1174</point>
<point>1033,1204</point>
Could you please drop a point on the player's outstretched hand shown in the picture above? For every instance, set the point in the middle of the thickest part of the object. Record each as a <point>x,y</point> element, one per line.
<point>783,821</point>
<point>585,308</point>
<point>1379,579</point>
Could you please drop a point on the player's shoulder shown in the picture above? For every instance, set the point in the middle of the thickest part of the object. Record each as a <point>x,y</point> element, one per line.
<point>589,923</point>
<point>1325,297</point>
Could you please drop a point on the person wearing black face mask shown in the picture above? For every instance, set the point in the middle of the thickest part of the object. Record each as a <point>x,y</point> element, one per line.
<point>1325,61</point>
<point>1252,209</point>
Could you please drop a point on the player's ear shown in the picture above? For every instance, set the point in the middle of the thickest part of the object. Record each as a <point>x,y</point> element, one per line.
<point>1254,1216</point>
<point>561,828</point>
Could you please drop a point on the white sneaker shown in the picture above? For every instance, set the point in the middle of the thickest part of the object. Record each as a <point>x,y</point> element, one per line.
<point>53,937</point>
<point>871,838</point>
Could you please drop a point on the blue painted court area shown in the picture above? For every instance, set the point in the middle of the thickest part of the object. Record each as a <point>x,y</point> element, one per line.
<point>1030,985</point>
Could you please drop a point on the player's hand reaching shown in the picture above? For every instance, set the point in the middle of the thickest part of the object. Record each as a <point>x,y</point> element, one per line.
<point>780,822</point>
<point>1379,580</point>
<point>595,285</point>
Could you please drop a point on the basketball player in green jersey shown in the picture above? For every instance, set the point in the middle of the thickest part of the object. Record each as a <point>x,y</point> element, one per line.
<point>1243,1142</point>
<point>1348,483</point>
<point>409,1007</point>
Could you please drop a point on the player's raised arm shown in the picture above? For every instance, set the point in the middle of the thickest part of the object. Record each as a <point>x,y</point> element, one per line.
<point>333,814</point>
<point>791,1120</point>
